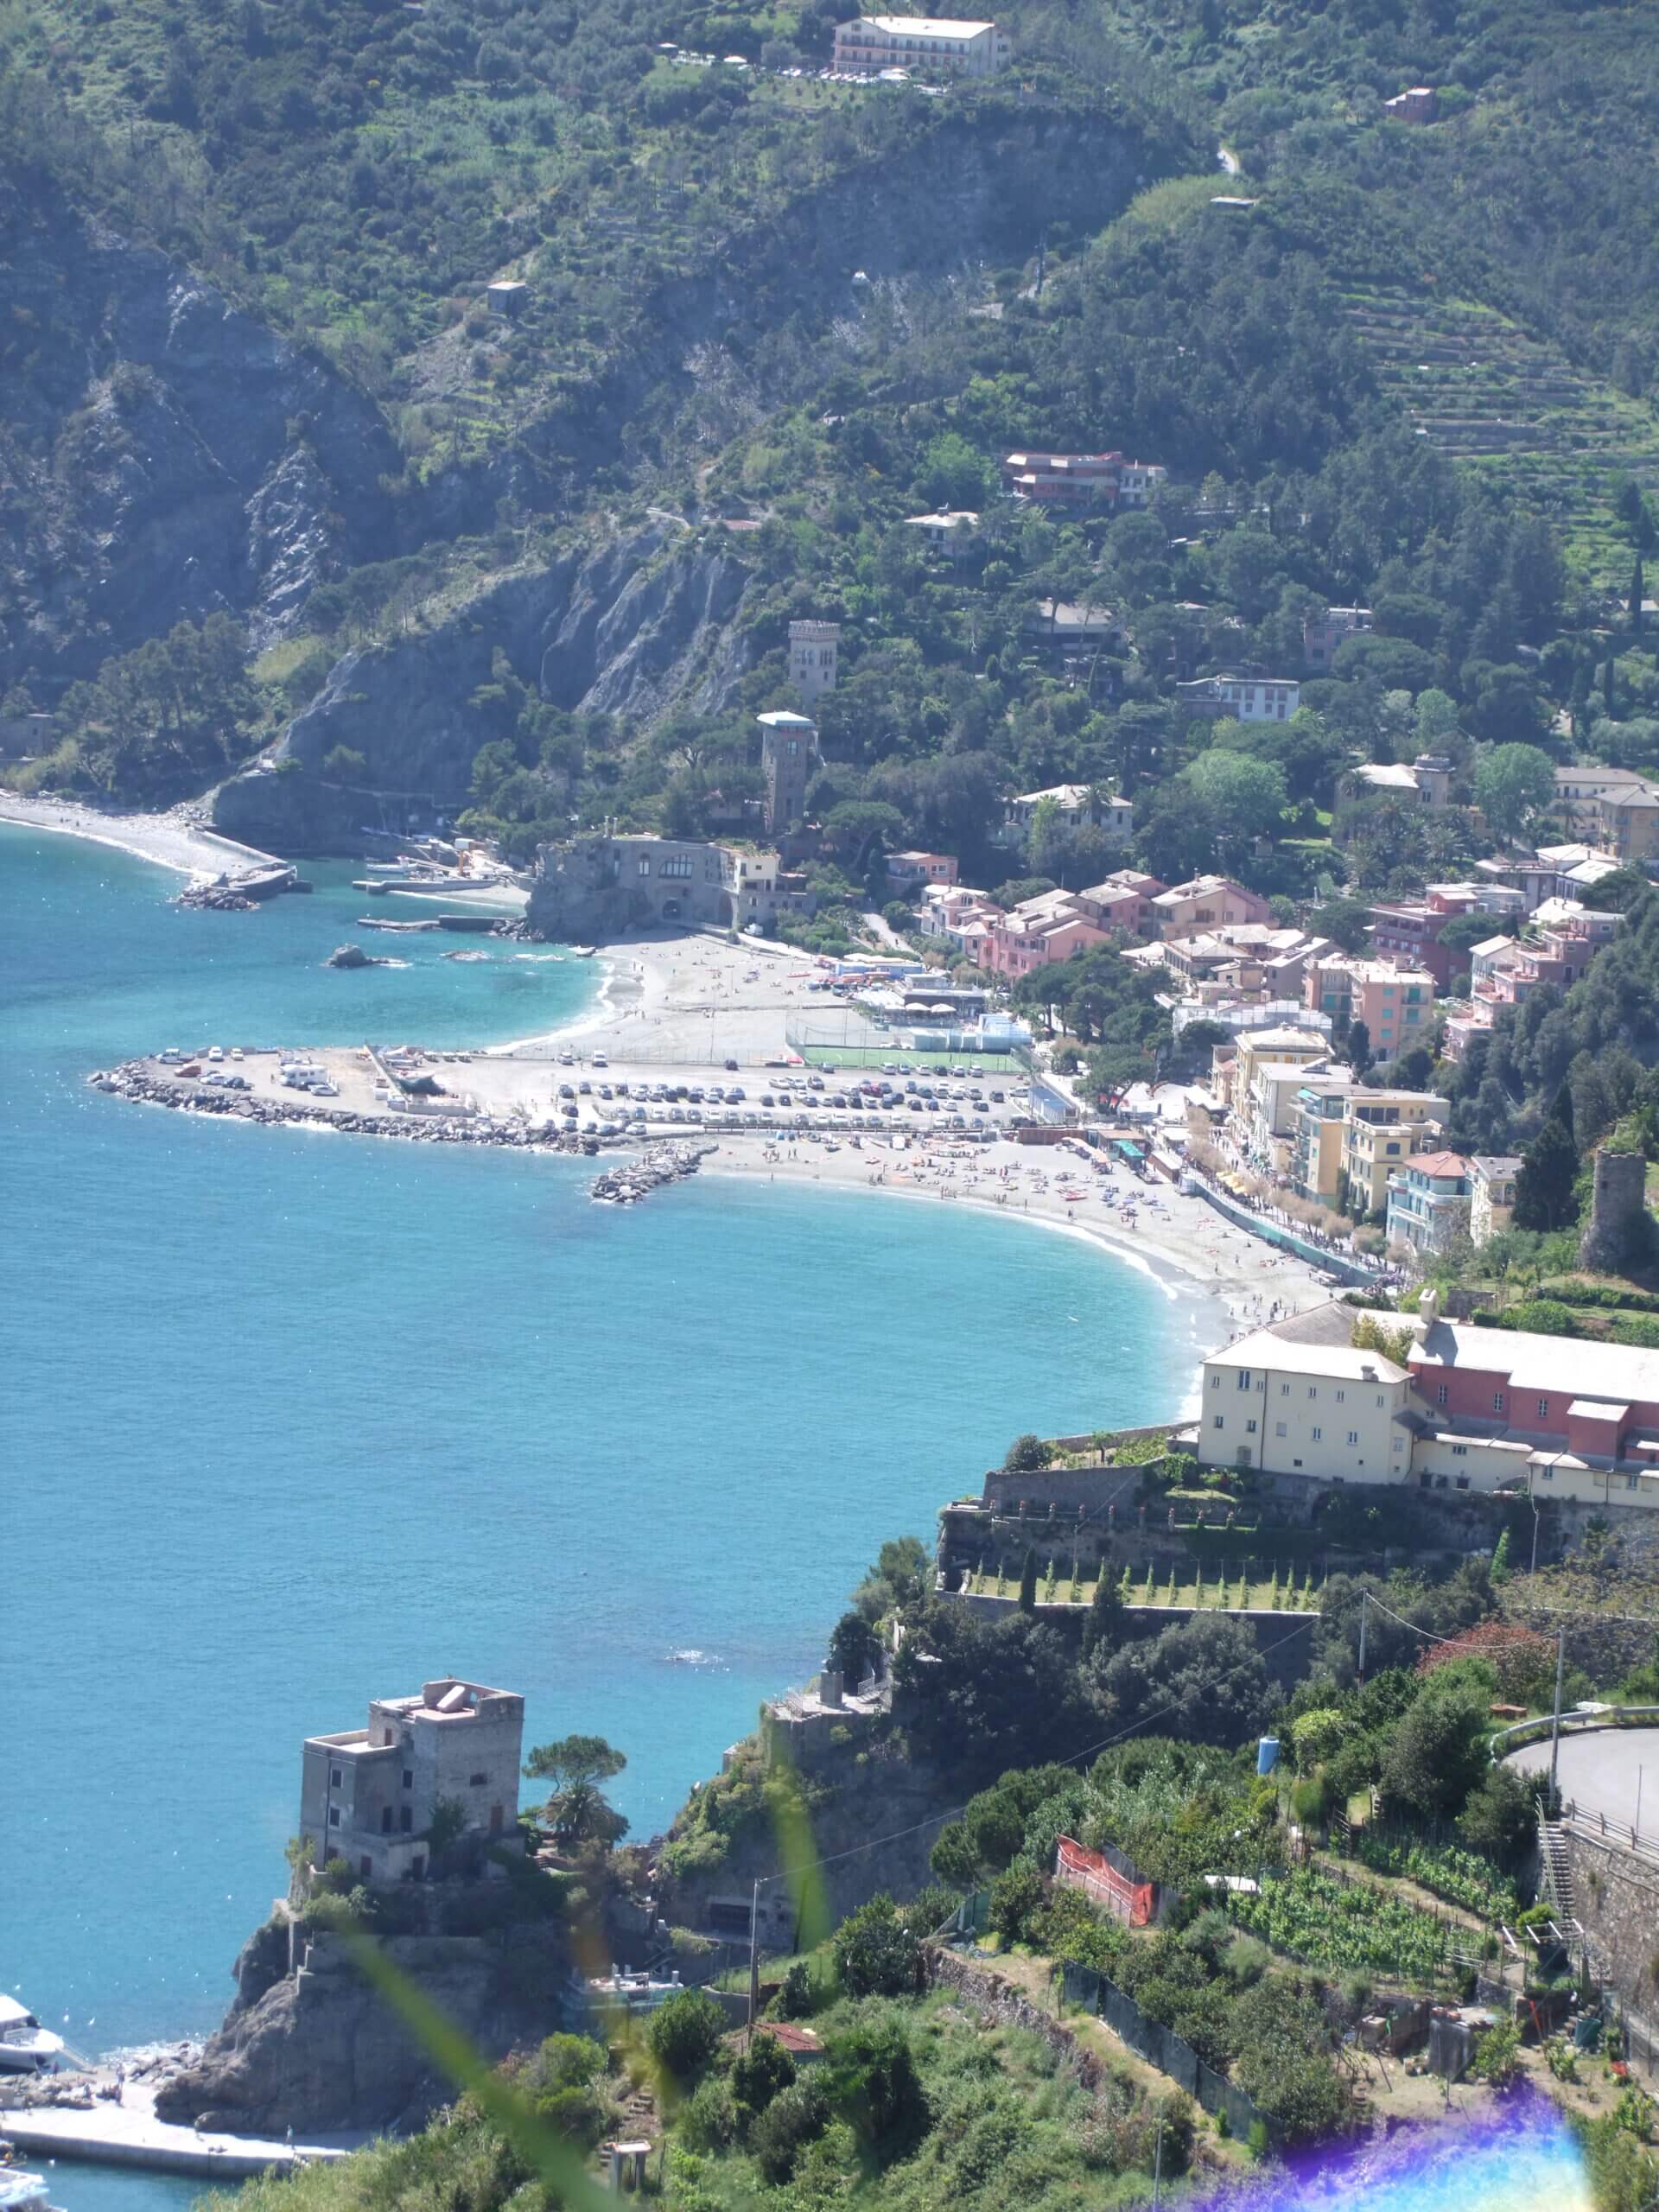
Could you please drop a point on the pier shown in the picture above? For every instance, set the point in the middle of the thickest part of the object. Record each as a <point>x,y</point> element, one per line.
<point>124,2131</point>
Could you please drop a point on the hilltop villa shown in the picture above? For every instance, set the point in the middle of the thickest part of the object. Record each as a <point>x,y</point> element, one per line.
<point>1463,1408</point>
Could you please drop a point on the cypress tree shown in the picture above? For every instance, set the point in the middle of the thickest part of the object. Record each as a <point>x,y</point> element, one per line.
<point>1636,594</point>
<point>1028,1582</point>
<point>1549,1167</point>
<point>1100,1626</point>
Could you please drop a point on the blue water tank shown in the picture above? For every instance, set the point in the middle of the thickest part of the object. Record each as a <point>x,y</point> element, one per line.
<point>1266,1755</point>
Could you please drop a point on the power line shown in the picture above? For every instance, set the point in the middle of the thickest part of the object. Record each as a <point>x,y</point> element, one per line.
<point>1372,1598</point>
<point>1092,1750</point>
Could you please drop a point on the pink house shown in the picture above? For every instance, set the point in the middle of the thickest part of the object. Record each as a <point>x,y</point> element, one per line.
<point>1122,902</point>
<point>1207,902</point>
<point>1036,934</point>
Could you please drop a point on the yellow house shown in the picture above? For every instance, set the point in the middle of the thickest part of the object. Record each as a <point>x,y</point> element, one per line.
<point>1383,1129</point>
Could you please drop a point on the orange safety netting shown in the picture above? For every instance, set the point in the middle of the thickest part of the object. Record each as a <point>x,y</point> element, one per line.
<point>1129,1901</point>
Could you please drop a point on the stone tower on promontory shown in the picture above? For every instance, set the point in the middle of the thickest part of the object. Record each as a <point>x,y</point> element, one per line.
<point>1617,1234</point>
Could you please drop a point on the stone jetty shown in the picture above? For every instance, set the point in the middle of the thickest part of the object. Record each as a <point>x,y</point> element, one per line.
<point>660,1163</point>
<point>247,888</point>
<point>657,1164</point>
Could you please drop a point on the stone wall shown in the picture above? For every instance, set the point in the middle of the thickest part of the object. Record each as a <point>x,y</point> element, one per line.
<point>1010,2008</point>
<point>1615,1895</point>
<point>1607,1646</point>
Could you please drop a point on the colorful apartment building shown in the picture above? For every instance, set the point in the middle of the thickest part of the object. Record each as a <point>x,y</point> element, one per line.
<point>1346,1140</point>
<point>908,872</point>
<point>1396,1004</point>
<point>1428,1202</point>
<point>947,911</point>
<point>1556,948</point>
<point>1235,965</point>
<point>1407,931</point>
<point>1036,934</point>
<point>1484,1410</point>
<point>1122,902</point>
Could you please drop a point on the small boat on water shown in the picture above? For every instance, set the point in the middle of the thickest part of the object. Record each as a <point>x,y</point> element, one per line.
<point>25,2046</point>
<point>584,951</point>
<point>21,2191</point>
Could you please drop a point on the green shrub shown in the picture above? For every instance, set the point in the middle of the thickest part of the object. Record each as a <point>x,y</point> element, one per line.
<point>709,2121</point>
<point>789,2122</point>
<point>876,1956</point>
<point>764,2070</point>
<point>684,2034</point>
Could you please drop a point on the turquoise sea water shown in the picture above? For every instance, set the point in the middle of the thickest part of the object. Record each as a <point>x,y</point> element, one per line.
<point>292,1418</point>
<point>289,1419</point>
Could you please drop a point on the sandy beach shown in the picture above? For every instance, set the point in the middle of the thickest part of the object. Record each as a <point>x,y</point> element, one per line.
<point>176,840</point>
<point>702,1009</point>
<point>704,1012</point>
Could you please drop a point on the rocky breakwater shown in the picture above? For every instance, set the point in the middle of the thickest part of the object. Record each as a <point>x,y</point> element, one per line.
<point>150,1086</point>
<point>311,2042</point>
<point>241,892</point>
<point>661,1164</point>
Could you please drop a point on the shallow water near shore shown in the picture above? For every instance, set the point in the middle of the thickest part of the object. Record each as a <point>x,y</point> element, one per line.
<point>292,1418</point>
<point>296,1418</point>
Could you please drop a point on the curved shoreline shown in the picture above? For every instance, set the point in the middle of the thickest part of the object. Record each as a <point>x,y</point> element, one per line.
<point>1185,1254</point>
<point>165,841</point>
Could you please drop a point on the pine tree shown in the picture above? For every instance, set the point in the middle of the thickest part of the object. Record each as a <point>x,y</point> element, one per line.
<point>1549,1167</point>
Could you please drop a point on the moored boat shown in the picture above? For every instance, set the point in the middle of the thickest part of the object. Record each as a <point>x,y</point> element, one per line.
<point>25,2046</point>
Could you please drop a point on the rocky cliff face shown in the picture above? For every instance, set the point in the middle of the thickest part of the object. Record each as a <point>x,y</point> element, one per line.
<point>873,1826</point>
<point>321,2049</point>
<point>632,628</point>
<point>162,456</point>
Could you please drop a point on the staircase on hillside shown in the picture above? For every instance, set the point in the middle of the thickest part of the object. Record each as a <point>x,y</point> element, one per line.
<point>1557,1868</point>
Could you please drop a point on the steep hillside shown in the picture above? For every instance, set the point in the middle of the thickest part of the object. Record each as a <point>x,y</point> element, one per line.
<point>162,457</point>
<point>767,319</point>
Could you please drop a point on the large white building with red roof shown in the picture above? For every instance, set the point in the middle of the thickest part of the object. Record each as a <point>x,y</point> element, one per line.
<point>1465,1407</point>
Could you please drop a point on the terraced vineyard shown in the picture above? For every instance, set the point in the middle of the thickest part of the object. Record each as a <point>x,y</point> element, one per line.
<point>1492,398</point>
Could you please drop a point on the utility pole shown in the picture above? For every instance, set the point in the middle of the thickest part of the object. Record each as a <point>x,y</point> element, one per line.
<point>754,1955</point>
<point>1533,1501</point>
<point>1157,2161</point>
<point>1555,1725</point>
<point>1364,1617</point>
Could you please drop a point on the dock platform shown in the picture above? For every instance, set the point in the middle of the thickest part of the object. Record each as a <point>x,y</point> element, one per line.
<point>128,2133</point>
